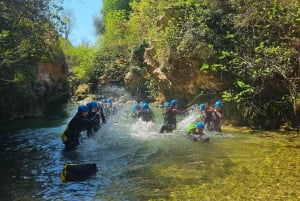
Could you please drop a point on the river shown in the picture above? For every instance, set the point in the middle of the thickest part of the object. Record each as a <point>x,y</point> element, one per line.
<point>135,162</point>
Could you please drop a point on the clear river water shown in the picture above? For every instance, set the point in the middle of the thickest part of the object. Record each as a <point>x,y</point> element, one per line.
<point>135,162</point>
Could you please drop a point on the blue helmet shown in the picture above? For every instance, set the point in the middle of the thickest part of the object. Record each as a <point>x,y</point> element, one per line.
<point>104,100</point>
<point>174,102</point>
<point>200,125</point>
<point>145,106</point>
<point>167,104</point>
<point>108,100</point>
<point>218,104</point>
<point>83,108</point>
<point>93,104</point>
<point>202,106</point>
<point>136,106</point>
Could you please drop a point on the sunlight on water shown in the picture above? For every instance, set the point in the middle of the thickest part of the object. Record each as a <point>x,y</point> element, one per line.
<point>136,162</point>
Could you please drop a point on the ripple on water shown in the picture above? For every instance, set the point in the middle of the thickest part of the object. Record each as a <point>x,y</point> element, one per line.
<point>135,162</point>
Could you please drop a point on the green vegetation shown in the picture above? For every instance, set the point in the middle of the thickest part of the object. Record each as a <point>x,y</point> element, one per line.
<point>251,47</point>
<point>80,59</point>
<point>28,37</point>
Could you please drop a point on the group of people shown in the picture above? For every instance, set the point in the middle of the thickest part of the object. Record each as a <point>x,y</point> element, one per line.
<point>207,117</point>
<point>89,117</point>
<point>210,115</point>
<point>145,113</point>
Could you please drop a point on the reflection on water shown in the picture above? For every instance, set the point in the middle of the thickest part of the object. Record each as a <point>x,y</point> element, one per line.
<point>135,162</point>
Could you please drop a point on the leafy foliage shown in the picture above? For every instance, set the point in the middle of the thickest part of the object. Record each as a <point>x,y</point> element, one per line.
<point>80,60</point>
<point>264,58</point>
<point>253,46</point>
<point>27,35</point>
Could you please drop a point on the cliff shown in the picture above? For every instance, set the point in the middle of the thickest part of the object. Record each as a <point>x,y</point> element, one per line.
<point>180,77</point>
<point>175,65</point>
<point>48,91</point>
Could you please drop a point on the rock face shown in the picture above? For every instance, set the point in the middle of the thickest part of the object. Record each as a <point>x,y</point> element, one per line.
<point>180,77</point>
<point>49,91</point>
<point>51,83</point>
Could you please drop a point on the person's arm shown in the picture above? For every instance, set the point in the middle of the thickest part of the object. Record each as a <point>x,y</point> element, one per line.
<point>88,123</point>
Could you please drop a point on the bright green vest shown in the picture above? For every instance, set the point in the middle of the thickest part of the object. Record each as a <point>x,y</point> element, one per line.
<point>191,128</point>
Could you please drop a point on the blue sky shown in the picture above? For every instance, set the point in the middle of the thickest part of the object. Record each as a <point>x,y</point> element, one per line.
<point>83,12</point>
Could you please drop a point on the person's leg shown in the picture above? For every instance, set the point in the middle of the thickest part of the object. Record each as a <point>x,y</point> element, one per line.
<point>163,128</point>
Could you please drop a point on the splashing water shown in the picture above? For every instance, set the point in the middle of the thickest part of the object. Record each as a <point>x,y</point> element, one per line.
<point>135,162</point>
<point>190,117</point>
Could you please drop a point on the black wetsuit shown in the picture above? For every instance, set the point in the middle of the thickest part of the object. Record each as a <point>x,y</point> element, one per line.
<point>94,117</point>
<point>169,121</point>
<point>216,120</point>
<point>145,115</point>
<point>75,126</point>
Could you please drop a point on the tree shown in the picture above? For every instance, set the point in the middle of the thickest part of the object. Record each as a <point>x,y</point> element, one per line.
<point>264,59</point>
<point>99,25</point>
<point>28,34</point>
<point>68,22</point>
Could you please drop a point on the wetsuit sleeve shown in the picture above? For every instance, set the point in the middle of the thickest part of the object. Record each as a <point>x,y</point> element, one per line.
<point>76,125</point>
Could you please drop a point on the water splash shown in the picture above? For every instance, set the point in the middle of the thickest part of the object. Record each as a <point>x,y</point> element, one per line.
<point>141,129</point>
<point>190,117</point>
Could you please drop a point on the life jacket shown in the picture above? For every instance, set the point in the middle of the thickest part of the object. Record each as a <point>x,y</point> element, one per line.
<point>191,128</point>
<point>81,172</point>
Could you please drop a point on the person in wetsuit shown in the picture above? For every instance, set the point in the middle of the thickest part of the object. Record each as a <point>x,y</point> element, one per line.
<point>195,132</point>
<point>145,113</point>
<point>169,118</point>
<point>135,110</point>
<point>94,115</point>
<point>78,123</point>
<point>217,115</point>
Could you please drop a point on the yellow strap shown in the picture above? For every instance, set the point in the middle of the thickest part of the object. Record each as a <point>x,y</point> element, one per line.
<point>64,173</point>
<point>64,138</point>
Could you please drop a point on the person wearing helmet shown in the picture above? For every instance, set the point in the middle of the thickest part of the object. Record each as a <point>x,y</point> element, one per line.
<point>94,116</point>
<point>169,118</point>
<point>145,113</point>
<point>174,103</point>
<point>100,109</point>
<point>201,112</point>
<point>217,115</point>
<point>175,111</point>
<point>108,107</point>
<point>135,110</point>
<point>71,135</point>
<point>218,104</point>
<point>195,132</point>
<point>100,106</point>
